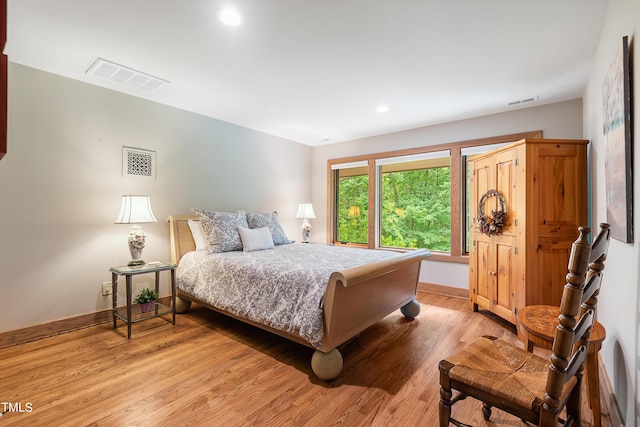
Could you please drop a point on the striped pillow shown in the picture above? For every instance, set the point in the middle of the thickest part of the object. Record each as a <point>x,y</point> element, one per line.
<point>255,239</point>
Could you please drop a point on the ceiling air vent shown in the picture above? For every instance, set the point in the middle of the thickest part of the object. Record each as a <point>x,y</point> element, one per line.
<point>523,101</point>
<point>124,75</point>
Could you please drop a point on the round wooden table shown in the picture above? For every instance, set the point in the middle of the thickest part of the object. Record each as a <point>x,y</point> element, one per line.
<point>537,326</point>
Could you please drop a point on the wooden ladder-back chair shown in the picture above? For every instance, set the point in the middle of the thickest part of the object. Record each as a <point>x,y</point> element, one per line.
<point>537,323</point>
<point>507,377</point>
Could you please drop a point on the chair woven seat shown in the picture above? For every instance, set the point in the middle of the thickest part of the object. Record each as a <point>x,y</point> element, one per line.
<point>508,372</point>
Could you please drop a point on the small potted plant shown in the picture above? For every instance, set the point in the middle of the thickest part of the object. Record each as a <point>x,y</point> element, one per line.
<point>145,298</point>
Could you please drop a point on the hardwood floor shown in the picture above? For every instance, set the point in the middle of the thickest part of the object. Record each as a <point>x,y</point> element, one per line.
<point>212,370</point>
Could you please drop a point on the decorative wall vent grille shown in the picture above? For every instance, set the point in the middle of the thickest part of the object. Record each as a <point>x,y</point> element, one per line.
<point>137,162</point>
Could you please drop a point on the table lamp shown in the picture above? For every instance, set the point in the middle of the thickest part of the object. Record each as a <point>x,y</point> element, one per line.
<point>305,212</point>
<point>136,210</point>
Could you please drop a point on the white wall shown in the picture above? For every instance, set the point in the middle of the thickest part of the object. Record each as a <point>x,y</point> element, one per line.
<point>560,120</point>
<point>618,308</point>
<point>61,182</point>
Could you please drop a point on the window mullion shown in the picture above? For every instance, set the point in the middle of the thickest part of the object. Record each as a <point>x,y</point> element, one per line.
<point>372,205</point>
<point>378,203</point>
<point>456,203</point>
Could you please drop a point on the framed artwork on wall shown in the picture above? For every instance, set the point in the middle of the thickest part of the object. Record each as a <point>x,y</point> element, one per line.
<point>616,99</point>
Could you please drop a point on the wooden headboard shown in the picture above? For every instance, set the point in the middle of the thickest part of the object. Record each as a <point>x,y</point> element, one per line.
<point>181,238</point>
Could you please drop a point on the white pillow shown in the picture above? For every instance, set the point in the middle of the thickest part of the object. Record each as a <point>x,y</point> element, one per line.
<point>255,239</point>
<point>198,235</point>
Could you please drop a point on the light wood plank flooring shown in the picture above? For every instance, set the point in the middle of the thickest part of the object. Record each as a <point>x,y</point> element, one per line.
<point>210,370</point>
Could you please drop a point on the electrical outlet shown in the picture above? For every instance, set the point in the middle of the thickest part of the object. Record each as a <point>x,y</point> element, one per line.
<point>106,288</point>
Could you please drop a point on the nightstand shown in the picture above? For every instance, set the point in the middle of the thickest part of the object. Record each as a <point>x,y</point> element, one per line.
<point>129,315</point>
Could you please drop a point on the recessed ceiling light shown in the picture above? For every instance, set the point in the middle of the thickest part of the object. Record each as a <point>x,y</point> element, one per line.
<point>382,108</point>
<point>230,16</point>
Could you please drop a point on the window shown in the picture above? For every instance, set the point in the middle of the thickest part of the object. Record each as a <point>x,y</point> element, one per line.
<point>408,199</point>
<point>415,201</point>
<point>352,203</point>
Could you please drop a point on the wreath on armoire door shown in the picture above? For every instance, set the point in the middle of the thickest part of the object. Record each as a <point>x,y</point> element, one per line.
<point>491,225</point>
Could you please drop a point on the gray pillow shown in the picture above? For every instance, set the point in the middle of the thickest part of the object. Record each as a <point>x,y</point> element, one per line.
<point>270,220</point>
<point>221,229</point>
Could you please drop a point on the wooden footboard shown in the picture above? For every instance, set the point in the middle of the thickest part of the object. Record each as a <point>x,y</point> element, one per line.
<point>358,297</point>
<point>355,298</point>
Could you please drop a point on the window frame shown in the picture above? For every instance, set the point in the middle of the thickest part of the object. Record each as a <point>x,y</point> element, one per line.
<point>458,251</point>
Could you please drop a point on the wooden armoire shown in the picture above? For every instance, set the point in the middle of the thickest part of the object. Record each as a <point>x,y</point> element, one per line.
<point>543,183</point>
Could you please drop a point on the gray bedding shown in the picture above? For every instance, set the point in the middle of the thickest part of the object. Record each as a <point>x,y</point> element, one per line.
<point>281,287</point>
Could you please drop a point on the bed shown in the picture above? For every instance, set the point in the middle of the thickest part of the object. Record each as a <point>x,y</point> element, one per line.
<point>351,299</point>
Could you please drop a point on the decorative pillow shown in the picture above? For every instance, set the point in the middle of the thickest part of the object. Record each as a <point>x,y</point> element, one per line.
<point>221,229</point>
<point>269,220</point>
<point>255,239</point>
<point>198,235</point>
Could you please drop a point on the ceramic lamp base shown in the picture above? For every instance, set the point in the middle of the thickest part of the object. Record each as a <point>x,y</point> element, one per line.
<point>136,244</point>
<point>306,231</point>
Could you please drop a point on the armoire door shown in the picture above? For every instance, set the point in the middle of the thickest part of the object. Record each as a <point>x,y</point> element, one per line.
<point>491,261</point>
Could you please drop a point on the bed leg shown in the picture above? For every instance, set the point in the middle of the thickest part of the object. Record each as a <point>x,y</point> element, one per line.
<point>411,309</point>
<point>327,366</point>
<point>182,305</point>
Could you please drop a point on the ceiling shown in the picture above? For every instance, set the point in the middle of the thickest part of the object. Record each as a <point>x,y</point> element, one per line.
<point>314,71</point>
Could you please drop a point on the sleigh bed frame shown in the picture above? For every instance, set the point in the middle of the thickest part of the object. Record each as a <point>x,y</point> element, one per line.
<point>355,298</point>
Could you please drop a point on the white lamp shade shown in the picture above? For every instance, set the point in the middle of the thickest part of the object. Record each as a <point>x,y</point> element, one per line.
<point>135,210</point>
<point>305,210</point>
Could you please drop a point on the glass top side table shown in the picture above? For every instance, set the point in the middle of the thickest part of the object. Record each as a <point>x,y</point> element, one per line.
<point>128,314</point>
